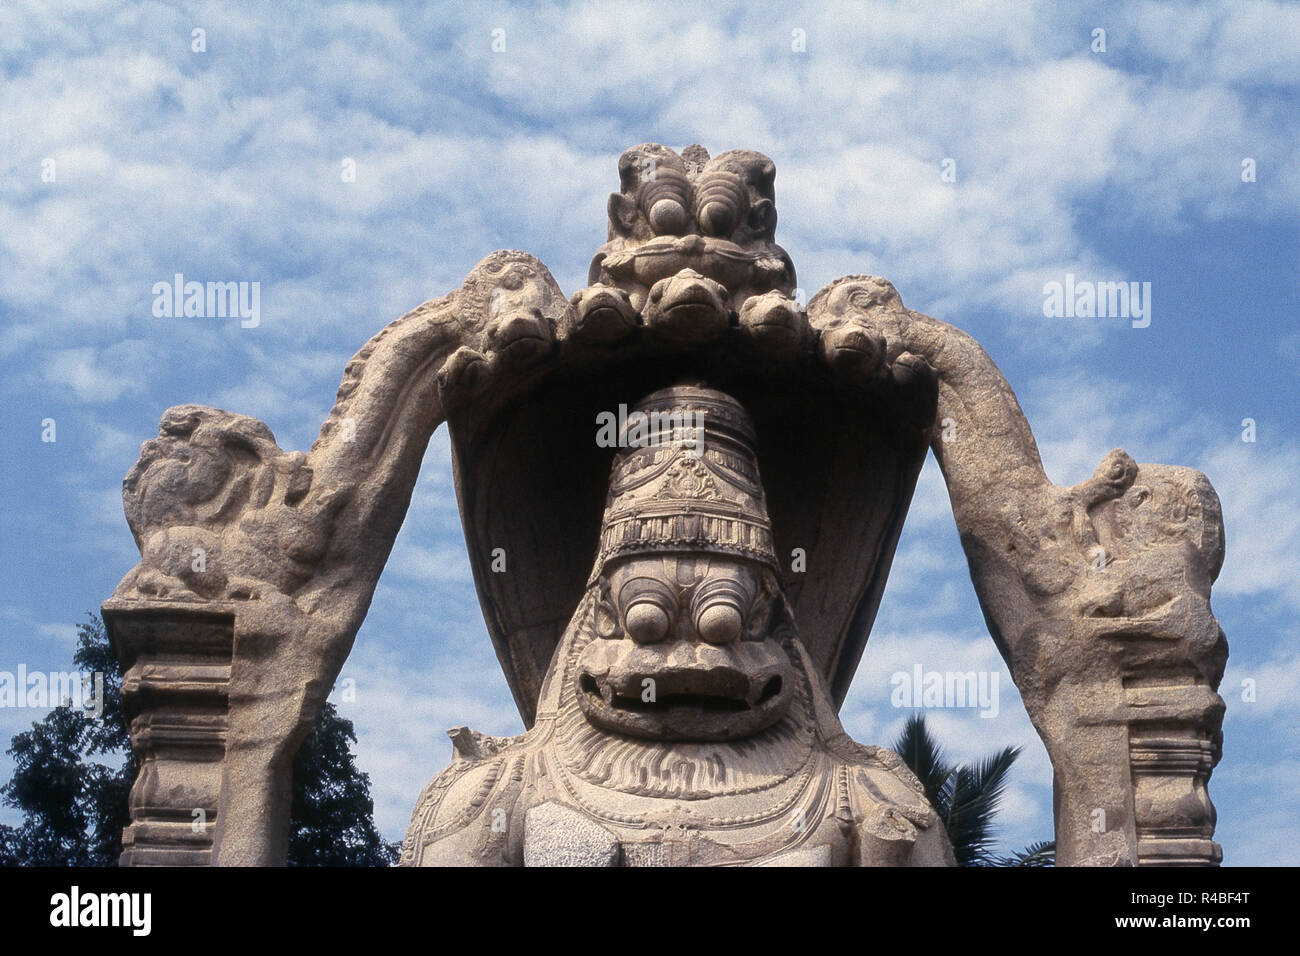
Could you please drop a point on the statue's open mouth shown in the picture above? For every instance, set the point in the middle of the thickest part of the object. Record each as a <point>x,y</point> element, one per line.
<point>687,703</point>
<point>713,703</point>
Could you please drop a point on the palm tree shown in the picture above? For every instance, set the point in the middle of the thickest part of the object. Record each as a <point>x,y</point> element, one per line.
<point>1041,853</point>
<point>966,797</point>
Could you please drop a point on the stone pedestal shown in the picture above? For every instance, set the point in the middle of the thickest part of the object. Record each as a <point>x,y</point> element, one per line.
<point>1174,743</point>
<point>176,673</point>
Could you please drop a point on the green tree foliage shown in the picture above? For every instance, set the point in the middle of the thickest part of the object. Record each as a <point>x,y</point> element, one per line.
<point>966,797</point>
<point>331,822</point>
<point>73,798</point>
<point>73,774</point>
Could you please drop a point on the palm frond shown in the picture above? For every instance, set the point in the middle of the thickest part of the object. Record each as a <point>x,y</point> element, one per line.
<point>977,791</point>
<point>1042,853</point>
<point>923,755</point>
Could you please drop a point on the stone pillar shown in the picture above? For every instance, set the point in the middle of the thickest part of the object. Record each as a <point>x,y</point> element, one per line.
<point>1175,740</point>
<point>176,663</point>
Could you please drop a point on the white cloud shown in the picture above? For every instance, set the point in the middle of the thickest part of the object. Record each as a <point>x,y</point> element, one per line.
<point>1256,483</point>
<point>403,708</point>
<point>430,565</point>
<point>1267,689</point>
<point>99,375</point>
<point>64,635</point>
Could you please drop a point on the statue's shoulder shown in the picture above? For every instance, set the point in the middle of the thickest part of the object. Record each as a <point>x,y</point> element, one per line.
<point>465,815</point>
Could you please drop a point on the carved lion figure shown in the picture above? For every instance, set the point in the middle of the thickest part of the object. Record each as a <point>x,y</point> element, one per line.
<point>682,721</point>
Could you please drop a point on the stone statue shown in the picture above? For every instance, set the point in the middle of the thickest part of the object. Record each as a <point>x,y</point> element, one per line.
<point>678,602</point>
<point>682,721</point>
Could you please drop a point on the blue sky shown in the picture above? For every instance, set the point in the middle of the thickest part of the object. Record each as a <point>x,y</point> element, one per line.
<point>226,165</point>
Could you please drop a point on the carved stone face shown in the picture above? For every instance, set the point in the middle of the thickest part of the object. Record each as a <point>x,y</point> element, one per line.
<point>690,647</point>
<point>716,217</point>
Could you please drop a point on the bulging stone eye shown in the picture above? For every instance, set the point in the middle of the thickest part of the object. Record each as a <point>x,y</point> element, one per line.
<point>718,608</point>
<point>719,624</point>
<point>717,218</point>
<point>665,201</point>
<point>668,217</point>
<point>648,607</point>
<point>647,623</point>
<point>720,201</point>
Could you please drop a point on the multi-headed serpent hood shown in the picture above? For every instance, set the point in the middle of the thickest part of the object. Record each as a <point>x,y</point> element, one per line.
<point>691,286</point>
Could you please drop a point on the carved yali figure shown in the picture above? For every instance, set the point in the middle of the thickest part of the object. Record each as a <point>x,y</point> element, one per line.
<point>682,721</point>
<point>1097,595</point>
<point>676,713</point>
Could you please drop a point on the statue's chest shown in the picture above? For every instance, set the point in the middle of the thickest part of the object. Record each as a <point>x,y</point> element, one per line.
<point>792,822</point>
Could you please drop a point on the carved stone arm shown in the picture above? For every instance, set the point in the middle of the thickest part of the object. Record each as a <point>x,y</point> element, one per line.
<point>278,554</point>
<point>1097,596</point>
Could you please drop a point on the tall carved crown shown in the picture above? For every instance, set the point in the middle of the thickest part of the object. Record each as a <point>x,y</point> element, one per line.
<point>686,480</point>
